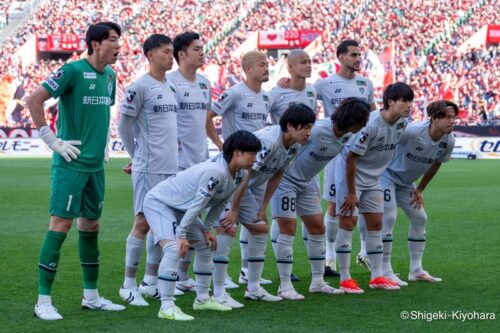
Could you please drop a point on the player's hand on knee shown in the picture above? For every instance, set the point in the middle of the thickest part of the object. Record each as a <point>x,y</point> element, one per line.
<point>67,149</point>
<point>210,240</point>
<point>349,205</point>
<point>229,220</point>
<point>261,215</point>
<point>418,199</point>
<point>183,245</point>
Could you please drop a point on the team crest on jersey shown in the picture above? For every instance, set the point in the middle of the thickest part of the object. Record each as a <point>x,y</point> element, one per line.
<point>130,95</point>
<point>110,84</point>
<point>443,145</point>
<point>212,183</point>
<point>400,126</point>
<point>58,75</point>
<point>361,83</point>
<point>310,94</point>
<point>265,98</point>
<point>292,151</point>
<point>264,152</point>
<point>345,139</point>
<point>202,85</point>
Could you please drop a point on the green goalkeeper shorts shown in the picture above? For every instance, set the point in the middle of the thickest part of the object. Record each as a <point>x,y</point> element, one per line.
<point>76,194</point>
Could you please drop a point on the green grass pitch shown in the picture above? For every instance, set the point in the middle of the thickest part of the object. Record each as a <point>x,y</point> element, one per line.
<point>463,248</point>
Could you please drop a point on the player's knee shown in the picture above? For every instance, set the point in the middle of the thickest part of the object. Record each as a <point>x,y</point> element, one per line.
<point>259,228</point>
<point>60,224</point>
<point>331,209</point>
<point>418,218</point>
<point>348,222</point>
<point>141,226</point>
<point>316,229</point>
<point>231,232</point>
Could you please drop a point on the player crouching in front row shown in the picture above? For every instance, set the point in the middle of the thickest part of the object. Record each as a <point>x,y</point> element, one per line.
<point>172,209</point>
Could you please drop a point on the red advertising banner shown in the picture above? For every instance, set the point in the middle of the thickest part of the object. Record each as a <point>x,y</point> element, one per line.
<point>493,35</point>
<point>286,39</point>
<point>61,43</point>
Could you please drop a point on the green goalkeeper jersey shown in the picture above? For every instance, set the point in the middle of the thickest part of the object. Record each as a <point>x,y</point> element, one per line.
<point>85,96</point>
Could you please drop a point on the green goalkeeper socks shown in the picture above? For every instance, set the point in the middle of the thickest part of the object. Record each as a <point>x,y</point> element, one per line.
<point>89,258</point>
<point>49,261</point>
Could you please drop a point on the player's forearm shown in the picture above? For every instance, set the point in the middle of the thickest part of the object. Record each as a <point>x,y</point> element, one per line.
<point>213,215</point>
<point>271,187</point>
<point>239,192</point>
<point>35,104</point>
<point>350,165</point>
<point>126,134</point>
<point>426,179</point>
<point>212,132</point>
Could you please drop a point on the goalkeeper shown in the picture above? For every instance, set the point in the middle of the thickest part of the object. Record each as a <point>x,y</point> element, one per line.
<point>86,90</point>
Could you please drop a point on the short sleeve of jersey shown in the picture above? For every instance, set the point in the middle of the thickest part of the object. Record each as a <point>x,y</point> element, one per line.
<point>263,155</point>
<point>361,141</point>
<point>209,183</point>
<point>449,149</point>
<point>371,96</point>
<point>61,81</point>
<point>133,100</point>
<point>273,94</point>
<point>317,86</point>
<point>224,102</point>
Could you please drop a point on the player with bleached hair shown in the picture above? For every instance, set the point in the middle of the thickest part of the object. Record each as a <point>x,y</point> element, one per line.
<point>357,178</point>
<point>298,194</point>
<point>423,147</point>
<point>244,106</point>
<point>172,209</point>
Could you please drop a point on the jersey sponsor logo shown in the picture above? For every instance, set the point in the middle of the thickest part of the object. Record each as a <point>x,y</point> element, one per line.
<point>318,157</point>
<point>92,86</point>
<point>249,105</point>
<point>193,106</point>
<point>89,75</point>
<point>440,152</point>
<point>212,183</point>
<point>337,91</point>
<point>387,146</point>
<point>58,75</point>
<point>159,96</point>
<point>419,148</point>
<point>127,107</point>
<point>96,100</point>
<point>360,83</point>
<point>186,94</point>
<point>381,139</point>
<point>202,85</point>
<point>253,116</point>
<point>419,159</point>
<point>323,149</point>
<point>165,108</point>
<point>130,95</point>
<point>53,84</point>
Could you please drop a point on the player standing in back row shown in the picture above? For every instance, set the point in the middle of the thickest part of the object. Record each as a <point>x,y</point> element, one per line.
<point>245,106</point>
<point>148,129</point>
<point>193,93</point>
<point>86,90</point>
<point>331,91</point>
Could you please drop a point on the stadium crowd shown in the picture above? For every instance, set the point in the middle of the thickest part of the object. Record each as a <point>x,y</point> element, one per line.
<point>426,36</point>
